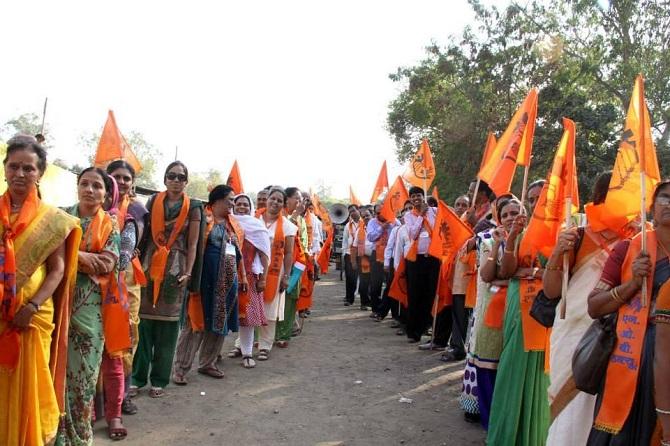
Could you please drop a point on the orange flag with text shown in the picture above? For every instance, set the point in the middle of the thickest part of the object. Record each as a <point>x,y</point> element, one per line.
<point>113,146</point>
<point>395,200</point>
<point>449,235</point>
<point>353,199</point>
<point>320,210</point>
<point>549,214</point>
<point>513,148</point>
<point>381,185</point>
<point>636,154</point>
<point>235,179</point>
<point>421,170</point>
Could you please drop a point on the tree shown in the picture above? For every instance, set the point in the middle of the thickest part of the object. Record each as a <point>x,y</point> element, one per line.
<point>28,123</point>
<point>199,184</point>
<point>146,153</point>
<point>582,56</point>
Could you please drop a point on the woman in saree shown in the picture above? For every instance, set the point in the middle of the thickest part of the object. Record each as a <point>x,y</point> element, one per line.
<point>486,342</point>
<point>588,248</point>
<point>520,409</point>
<point>282,238</point>
<point>294,209</point>
<point>38,248</point>
<point>219,292</point>
<point>626,407</point>
<point>116,371</point>
<point>172,262</point>
<point>99,318</point>
<point>256,253</point>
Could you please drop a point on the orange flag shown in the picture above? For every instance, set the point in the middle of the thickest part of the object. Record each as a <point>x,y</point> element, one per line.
<point>113,146</point>
<point>561,186</point>
<point>381,185</point>
<point>436,193</point>
<point>488,150</point>
<point>324,255</point>
<point>398,290</point>
<point>421,170</point>
<point>636,154</point>
<point>449,234</point>
<point>395,200</point>
<point>514,147</point>
<point>235,179</point>
<point>353,199</point>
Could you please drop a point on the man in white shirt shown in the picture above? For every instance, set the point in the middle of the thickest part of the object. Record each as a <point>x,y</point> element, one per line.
<point>363,262</point>
<point>378,234</point>
<point>350,273</point>
<point>422,272</point>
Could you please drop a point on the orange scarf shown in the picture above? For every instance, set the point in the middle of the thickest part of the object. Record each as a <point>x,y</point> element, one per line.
<point>414,249</point>
<point>380,246</point>
<point>360,239</point>
<point>535,335</point>
<point>624,364</point>
<point>471,294</point>
<point>115,318</point>
<point>163,243</point>
<point>10,339</point>
<point>276,260</point>
<point>352,248</point>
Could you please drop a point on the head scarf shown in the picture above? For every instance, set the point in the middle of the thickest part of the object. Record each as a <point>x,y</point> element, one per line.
<point>255,233</point>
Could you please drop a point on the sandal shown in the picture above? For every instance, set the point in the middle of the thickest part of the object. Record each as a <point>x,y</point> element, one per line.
<point>156,392</point>
<point>179,379</point>
<point>263,354</point>
<point>128,407</point>
<point>117,433</point>
<point>248,362</point>
<point>133,391</point>
<point>282,344</point>
<point>235,353</point>
<point>212,372</point>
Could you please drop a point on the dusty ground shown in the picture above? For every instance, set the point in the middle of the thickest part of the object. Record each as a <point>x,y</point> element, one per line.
<point>308,394</point>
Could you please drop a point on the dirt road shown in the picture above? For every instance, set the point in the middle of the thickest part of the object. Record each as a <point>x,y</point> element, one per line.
<point>339,383</point>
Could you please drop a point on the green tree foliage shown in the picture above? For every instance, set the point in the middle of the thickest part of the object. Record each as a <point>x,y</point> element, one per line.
<point>28,123</point>
<point>199,184</point>
<point>583,55</point>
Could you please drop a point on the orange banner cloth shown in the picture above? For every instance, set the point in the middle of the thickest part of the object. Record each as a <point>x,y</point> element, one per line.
<point>421,170</point>
<point>395,200</point>
<point>381,185</point>
<point>514,147</point>
<point>636,154</point>
<point>113,146</point>
<point>561,186</point>
<point>235,179</point>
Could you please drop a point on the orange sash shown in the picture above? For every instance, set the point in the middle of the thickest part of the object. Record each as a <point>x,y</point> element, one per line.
<point>534,334</point>
<point>380,246</point>
<point>624,364</point>
<point>360,239</point>
<point>115,318</point>
<point>10,339</point>
<point>495,312</point>
<point>352,247</point>
<point>276,260</point>
<point>414,249</point>
<point>163,246</point>
<point>471,293</point>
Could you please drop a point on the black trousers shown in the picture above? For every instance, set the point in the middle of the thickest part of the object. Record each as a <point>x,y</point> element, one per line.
<point>443,327</point>
<point>364,284</point>
<point>460,317</point>
<point>387,304</point>
<point>351,279</point>
<point>422,276</point>
<point>376,282</point>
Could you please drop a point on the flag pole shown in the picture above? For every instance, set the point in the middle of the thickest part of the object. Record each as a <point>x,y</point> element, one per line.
<point>643,178</point>
<point>523,191</point>
<point>44,116</point>
<point>566,261</point>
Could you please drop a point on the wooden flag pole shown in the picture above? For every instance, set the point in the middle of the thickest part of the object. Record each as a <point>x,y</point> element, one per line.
<point>44,116</point>
<point>643,179</point>
<point>523,191</point>
<point>566,261</point>
<point>432,332</point>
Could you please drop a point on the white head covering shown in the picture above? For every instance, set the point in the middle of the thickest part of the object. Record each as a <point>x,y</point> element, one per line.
<point>255,233</point>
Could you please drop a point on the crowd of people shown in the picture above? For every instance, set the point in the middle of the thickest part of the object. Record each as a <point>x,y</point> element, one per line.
<point>113,296</point>
<point>518,377</point>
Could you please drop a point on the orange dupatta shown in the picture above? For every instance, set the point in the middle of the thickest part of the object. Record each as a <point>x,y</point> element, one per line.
<point>10,338</point>
<point>276,260</point>
<point>624,364</point>
<point>163,246</point>
<point>535,335</point>
<point>115,318</point>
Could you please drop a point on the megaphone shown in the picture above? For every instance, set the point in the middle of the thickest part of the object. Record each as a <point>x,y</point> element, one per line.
<point>338,213</point>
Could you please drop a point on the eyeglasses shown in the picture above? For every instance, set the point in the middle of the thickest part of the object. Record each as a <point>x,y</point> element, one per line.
<point>176,176</point>
<point>663,201</point>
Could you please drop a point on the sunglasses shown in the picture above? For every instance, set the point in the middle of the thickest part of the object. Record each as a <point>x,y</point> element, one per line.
<point>176,176</point>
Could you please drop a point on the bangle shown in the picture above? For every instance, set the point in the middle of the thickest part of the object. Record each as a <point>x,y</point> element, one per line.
<point>614,294</point>
<point>507,251</point>
<point>35,306</point>
<point>662,412</point>
<point>491,259</point>
<point>554,268</point>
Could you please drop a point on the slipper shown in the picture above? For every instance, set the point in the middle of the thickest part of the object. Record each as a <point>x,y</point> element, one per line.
<point>133,391</point>
<point>117,433</point>
<point>179,379</point>
<point>248,362</point>
<point>211,372</point>
<point>235,353</point>
<point>156,392</point>
<point>128,407</point>
<point>282,344</point>
<point>263,354</point>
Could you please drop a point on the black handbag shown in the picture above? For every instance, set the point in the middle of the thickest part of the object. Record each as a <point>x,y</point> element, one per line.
<point>544,309</point>
<point>589,362</point>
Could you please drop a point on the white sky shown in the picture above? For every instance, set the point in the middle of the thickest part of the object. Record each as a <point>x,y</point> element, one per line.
<point>297,91</point>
